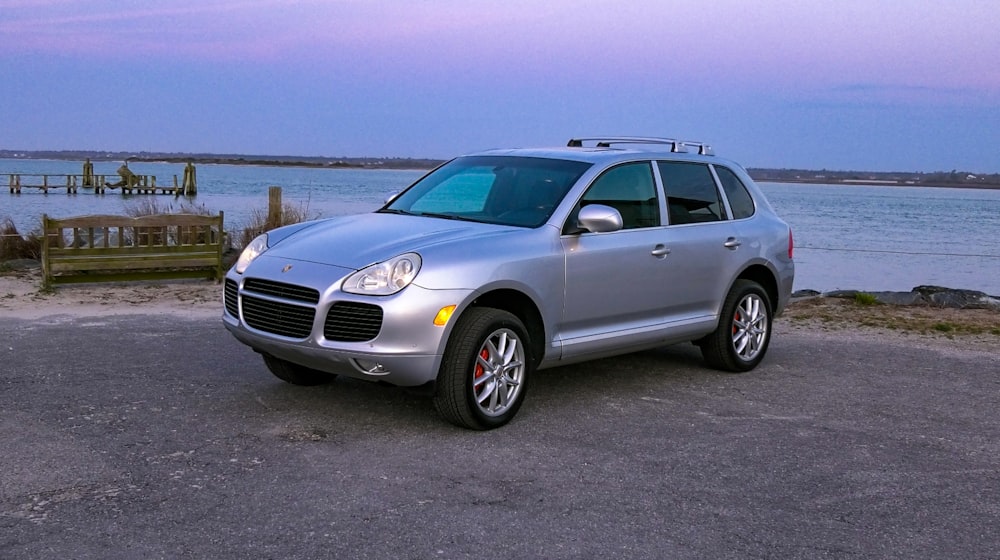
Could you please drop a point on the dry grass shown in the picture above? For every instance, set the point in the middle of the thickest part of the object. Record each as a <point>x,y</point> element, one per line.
<point>919,319</point>
<point>259,222</point>
<point>13,245</point>
<point>151,206</point>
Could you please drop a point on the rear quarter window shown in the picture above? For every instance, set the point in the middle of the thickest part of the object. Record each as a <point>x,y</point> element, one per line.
<point>740,200</point>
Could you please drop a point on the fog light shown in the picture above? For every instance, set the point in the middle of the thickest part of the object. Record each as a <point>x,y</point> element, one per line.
<point>370,367</point>
<point>441,319</point>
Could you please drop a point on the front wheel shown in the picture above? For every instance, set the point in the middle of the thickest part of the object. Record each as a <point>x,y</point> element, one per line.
<point>485,369</point>
<point>296,374</point>
<point>740,341</point>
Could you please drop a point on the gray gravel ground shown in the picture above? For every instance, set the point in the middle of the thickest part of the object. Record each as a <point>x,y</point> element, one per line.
<point>159,437</point>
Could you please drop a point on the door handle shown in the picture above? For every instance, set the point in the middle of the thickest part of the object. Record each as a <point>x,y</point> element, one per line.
<point>732,243</point>
<point>660,251</point>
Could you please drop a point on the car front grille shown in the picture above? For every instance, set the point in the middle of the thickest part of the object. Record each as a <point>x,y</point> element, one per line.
<point>231,297</point>
<point>352,322</point>
<point>281,290</point>
<point>285,319</point>
<point>346,321</point>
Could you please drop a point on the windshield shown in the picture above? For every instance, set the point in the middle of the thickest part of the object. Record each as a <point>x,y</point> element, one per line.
<point>515,191</point>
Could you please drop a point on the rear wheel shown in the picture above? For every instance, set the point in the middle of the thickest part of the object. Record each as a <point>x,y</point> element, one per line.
<point>485,369</point>
<point>296,374</point>
<point>740,341</point>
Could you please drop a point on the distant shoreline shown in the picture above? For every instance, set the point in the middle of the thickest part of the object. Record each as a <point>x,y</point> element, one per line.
<point>951,180</point>
<point>862,183</point>
<point>229,159</point>
<point>339,164</point>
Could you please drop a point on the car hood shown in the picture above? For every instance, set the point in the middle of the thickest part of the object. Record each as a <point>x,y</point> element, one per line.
<point>358,241</point>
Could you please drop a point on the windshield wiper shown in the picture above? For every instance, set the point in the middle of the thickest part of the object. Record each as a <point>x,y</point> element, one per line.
<point>424,214</point>
<point>442,216</point>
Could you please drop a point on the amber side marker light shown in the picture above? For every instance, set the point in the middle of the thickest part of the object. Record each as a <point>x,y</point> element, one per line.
<point>441,319</point>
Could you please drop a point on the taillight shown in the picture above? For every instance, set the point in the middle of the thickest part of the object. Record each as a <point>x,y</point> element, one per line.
<point>791,244</point>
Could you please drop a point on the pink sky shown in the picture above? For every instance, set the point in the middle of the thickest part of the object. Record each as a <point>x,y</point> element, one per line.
<point>904,85</point>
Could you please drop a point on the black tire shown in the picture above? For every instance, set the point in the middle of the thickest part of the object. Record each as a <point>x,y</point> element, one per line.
<point>492,346</point>
<point>744,332</point>
<point>296,374</point>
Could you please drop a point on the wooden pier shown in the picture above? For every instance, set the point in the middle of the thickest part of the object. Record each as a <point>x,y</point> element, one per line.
<point>128,182</point>
<point>72,184</point>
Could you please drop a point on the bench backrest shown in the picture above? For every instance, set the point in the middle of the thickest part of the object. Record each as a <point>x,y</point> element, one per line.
<point>122,245</point>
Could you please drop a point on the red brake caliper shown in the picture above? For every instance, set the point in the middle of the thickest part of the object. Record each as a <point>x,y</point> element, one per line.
<point>480,372</point>
<point>735,320</point>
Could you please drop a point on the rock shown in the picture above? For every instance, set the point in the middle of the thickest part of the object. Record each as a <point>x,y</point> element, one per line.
<point>800,294</point>
<point>899,298</point>
<point>958,299</point>
<point>921,295</point>
<point>842,294</point>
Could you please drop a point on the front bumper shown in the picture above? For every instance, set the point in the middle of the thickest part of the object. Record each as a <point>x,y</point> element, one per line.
<point>270,308</point>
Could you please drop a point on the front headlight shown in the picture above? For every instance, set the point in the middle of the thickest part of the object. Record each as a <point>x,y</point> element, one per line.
<point>384,278</point>
<point>253,250</point>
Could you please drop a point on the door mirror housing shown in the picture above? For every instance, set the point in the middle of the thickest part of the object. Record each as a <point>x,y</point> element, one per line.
<point>598,218</point>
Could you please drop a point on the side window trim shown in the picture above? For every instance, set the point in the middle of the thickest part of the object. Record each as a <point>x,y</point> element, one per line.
<point>661,194</point>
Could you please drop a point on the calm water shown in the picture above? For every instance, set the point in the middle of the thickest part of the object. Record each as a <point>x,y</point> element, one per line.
<point>847,237</point>
<point>891,238</point>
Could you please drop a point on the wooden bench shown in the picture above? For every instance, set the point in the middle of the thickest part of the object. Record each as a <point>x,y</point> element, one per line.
<point>107,248</point>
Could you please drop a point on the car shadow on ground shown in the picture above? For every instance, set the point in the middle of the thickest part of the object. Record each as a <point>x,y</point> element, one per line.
<point>350,404</point>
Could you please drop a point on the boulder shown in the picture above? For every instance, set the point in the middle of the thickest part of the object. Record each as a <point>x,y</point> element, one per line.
<point>958,299</point>
<point>899,298</point>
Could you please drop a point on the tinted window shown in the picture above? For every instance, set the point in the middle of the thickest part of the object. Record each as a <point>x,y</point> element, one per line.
<point>516,191</point>
<point>628,188</point>
<point>740,201</point>
<point>692,196</point>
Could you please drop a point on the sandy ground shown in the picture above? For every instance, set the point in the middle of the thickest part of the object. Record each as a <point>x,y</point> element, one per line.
<point>21,297</point>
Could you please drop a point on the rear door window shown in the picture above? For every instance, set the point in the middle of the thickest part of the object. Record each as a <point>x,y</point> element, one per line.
<point>692,196</point>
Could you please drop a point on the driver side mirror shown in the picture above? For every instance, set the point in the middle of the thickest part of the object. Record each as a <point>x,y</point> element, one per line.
<point>598,218</point>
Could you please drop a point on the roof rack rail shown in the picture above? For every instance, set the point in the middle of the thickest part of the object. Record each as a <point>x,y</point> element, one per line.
<point>677,146</point>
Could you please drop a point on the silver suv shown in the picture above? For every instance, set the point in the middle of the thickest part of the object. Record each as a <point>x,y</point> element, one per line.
<point>501,263</point>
